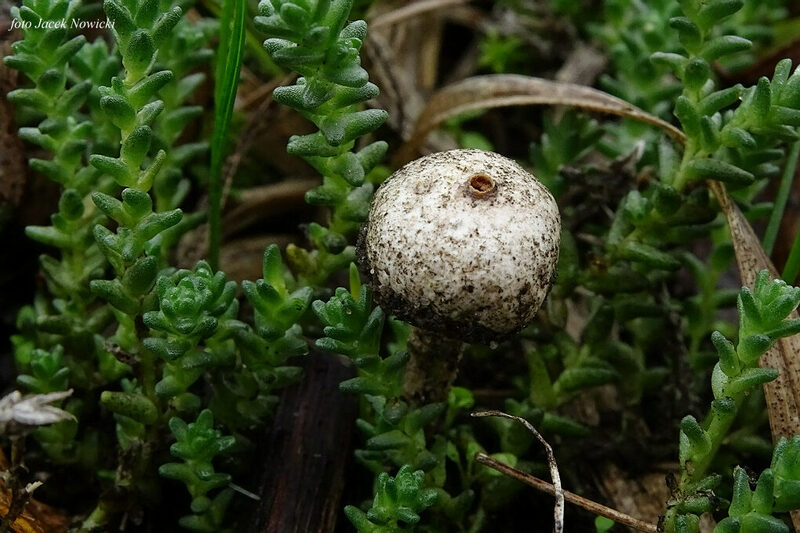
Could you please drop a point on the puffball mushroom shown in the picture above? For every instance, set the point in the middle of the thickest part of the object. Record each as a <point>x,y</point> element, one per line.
<point>462,243</point>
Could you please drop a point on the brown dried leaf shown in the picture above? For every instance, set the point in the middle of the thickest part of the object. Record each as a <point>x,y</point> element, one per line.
<point>36,517</point>
<point>643,495</point>
<point>501,90</point>
<point>782,394</point>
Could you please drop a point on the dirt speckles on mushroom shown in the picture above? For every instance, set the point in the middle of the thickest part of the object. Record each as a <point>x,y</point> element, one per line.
<point>463,242</point>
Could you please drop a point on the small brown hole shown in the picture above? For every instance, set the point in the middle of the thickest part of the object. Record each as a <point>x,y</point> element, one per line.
<point>480,185</point>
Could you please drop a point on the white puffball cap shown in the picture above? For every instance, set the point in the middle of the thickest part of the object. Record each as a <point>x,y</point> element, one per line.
<point>463,242</point>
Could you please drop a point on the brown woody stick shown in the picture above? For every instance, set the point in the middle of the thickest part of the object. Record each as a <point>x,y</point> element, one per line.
<point>306,452</point>
<point>571,497</point>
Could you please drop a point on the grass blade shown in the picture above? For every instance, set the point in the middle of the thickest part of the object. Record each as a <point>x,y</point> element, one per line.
<point>792,267</point>
<point>229,64</point>
<point>254,44</point>
<point>782,197</point>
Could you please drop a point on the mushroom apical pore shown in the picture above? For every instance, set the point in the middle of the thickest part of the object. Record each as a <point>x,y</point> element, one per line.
<point>463,243</point>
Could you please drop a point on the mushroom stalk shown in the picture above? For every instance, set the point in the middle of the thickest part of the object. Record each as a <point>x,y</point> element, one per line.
<point>432,366</point>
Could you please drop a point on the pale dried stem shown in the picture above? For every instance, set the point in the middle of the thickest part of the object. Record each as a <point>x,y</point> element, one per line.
<point>558,508</point>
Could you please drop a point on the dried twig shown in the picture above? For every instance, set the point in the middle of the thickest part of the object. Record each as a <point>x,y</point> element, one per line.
<point>571,497</point>
<point>558,509</point>
<point>250,132</point>
<point>583,65</point>
<point>19,511</point>
<point>16,507</point>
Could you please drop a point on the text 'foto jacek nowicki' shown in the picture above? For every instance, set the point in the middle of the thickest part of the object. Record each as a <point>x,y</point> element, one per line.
<point>65,23</point>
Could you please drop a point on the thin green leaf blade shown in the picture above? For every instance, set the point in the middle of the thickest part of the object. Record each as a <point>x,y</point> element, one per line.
<point>229,65</point>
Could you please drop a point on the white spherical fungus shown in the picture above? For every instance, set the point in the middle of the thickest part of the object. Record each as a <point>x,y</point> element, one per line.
<point>463,243</point>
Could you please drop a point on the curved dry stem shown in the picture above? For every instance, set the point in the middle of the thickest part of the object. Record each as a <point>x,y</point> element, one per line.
<point>501,90</point>
<point>558,508</point>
